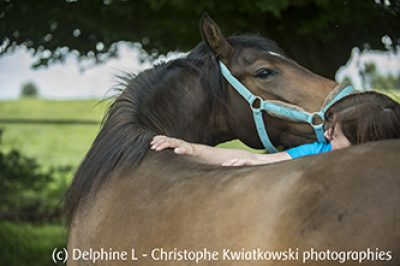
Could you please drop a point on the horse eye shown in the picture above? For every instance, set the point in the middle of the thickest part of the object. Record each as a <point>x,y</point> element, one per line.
<point>264,73</point>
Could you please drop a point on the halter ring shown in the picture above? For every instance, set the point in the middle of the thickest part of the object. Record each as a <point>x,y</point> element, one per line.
<point>316,119</point>
<point>253,103</point>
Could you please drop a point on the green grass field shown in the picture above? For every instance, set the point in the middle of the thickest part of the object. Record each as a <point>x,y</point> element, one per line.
<point>51,144</point>
<point>54,144</point>
<point>53,109</point>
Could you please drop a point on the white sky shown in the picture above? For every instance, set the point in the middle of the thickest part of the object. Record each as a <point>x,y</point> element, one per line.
<point>67,81</point>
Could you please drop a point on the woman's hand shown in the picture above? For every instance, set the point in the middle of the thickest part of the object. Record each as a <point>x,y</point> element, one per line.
<point>160,143</point>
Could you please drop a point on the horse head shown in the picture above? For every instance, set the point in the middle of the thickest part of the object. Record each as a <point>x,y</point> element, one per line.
<point>262,67</point>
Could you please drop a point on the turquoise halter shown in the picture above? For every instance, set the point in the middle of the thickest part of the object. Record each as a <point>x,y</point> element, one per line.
<point>283,110</point>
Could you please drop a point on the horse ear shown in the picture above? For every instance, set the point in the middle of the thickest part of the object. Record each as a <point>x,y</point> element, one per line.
<point>214,38</point>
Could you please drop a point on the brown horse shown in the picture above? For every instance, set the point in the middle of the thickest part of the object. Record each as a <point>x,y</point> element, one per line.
<point>174,210</point>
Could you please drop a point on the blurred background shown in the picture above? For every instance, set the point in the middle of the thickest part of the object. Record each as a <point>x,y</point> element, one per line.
<point>59,61</point>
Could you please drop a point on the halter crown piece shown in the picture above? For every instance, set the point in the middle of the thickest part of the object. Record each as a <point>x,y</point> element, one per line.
<point>282,110</point>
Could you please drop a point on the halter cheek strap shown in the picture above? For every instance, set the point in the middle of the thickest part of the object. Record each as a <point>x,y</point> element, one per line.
<point>283,110</point>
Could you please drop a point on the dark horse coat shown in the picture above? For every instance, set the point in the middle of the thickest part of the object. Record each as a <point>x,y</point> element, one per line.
<point>124,196</point>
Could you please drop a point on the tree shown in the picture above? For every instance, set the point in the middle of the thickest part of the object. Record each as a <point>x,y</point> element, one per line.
<point>319,34</point>
<point>29,89</point>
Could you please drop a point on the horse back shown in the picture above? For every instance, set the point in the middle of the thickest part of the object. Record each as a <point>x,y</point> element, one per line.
<point>343,200</point>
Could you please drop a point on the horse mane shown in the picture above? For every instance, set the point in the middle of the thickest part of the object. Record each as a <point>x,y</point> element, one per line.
<point>133,119</point>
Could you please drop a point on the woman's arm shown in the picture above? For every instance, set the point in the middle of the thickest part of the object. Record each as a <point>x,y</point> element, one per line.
<point>214,155</point>
<point>259,159</point>
<point>211,155</point>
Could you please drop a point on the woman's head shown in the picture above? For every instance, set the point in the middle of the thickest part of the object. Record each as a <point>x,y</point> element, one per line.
<point>364,117</point>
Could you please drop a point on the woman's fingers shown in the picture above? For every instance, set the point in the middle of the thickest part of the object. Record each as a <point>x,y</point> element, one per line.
<point>159,143</point>
<point>163,145</point>
<point>156,140</point>
<point>163,142</point>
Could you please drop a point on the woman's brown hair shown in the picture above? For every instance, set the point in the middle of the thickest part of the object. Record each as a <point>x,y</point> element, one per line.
<point>368,116</point>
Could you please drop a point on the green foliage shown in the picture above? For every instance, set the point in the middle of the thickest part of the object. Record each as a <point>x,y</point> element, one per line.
<point>24,244</point>
<point>27,192</point>
<point>29,89</point>
<point>50,144</point>
<point>308,30</point>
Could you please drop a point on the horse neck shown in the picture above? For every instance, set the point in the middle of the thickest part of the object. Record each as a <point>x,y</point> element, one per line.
<point>180,110</point>
<point>194,117</point>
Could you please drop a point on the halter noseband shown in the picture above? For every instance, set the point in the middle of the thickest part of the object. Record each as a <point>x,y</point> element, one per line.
<point>282,110</point>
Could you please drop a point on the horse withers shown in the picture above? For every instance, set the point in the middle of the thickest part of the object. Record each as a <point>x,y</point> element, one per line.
<point>127,198</point>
